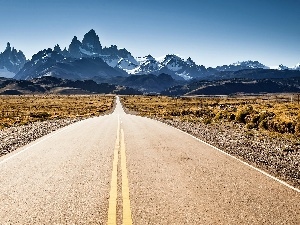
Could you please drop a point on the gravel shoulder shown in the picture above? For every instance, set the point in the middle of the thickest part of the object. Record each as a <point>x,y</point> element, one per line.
<point>18,136</point>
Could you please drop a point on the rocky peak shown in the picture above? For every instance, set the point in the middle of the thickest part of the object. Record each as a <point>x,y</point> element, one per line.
<point>282,67</point>
<point>8,48</point>
<point>149,57</point>
<point>190,62</point>
<point>57,48</point>
<point>74,48</point>
<point>11,59</point>
<point>91,42</point>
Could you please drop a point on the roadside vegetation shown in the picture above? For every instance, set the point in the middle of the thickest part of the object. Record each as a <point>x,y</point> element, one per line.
<point>274,115</point>
<point>23,110</point>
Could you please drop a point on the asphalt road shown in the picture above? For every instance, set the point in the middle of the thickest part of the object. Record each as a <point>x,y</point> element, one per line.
<point>121,168</point>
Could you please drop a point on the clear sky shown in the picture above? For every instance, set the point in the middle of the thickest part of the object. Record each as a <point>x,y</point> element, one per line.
<point>212,32</point>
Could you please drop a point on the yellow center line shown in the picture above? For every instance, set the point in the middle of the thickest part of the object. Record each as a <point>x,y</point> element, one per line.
<point>127,220</point>
<point>112,205</point>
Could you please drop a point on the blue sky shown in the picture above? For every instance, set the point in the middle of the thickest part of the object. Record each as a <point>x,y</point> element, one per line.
<point>212,32</point>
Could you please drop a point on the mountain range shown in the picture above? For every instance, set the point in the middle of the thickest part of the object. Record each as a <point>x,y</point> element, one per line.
<point>87,59</point>
<point>72,63</point>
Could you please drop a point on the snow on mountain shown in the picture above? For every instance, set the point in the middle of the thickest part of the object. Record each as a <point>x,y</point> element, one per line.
<point>118,58</point>
<point>174,65</point>
<point>186,69</point>
<point>282,67</point>
<point>4,72</point>
<point>242,65</point>
<point>297,67</point>
<point>11,61</point>
<point>40,63</point>
<point>112,61</point>
<point>86,52</point>
<point>143,65</point>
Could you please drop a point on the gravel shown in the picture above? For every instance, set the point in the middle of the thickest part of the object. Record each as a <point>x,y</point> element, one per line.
<point>279,157</point>
<point>18,136</point>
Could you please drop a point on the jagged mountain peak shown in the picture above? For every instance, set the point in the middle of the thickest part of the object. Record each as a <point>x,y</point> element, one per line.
<point>74,48</point>
<point>145,58</point>
<point>91,42</point>
<point>190,62</point>
<point>75,39</point>
<point>11,61</point>
<point>282,67</point>
<point>173,56</point>
<point>170,59</point>
<point>91,32</point>
<point>57,48</point>
<point>8,46</point>
<point>149,56</point>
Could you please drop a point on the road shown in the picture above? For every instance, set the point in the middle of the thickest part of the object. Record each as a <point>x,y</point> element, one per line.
<point>85,173</point>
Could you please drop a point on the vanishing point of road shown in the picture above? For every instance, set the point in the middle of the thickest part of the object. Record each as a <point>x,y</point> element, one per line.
<point>126,169</point>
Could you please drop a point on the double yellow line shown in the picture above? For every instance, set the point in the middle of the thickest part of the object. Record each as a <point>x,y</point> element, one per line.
<point>112,206</point>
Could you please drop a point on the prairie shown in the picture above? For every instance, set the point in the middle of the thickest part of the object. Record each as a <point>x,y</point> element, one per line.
<point>275,115</point>
<point>22,110</point>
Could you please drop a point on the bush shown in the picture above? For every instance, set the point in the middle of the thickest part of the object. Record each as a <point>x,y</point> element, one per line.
<point>281,126</point>
<point>40,115</point>
<point>207,121</point>
<point>263,125</point>
<point>241,114</point>
<point>231,117</point>
<point>265,115</point>
<point>219,116</point>
<point>297,128</point>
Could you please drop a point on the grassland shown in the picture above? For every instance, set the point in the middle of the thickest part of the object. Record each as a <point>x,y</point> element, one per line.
<point>22,110</point>
<point>273,115</point>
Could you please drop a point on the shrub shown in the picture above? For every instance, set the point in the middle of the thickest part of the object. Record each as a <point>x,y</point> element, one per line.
<point>263,125</point>
<point>265,115</point>
<point>251,125</point>
<point>207,121</point>
<point>242,113</point>
<point>231,117</point>
<point>40,115</point>
<point>219,116</point>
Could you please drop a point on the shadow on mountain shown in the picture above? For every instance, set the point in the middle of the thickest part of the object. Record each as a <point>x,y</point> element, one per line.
<point>54,85</point>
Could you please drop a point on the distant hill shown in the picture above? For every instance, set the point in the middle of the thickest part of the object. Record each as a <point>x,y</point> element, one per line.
<point>150,83</point>
<point>236,86</point>
<point>256,74</point>
<point>53,85</point>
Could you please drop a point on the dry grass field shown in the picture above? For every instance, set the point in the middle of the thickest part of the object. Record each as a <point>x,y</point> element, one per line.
<point>21,110</point>
<point>272,114</point>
